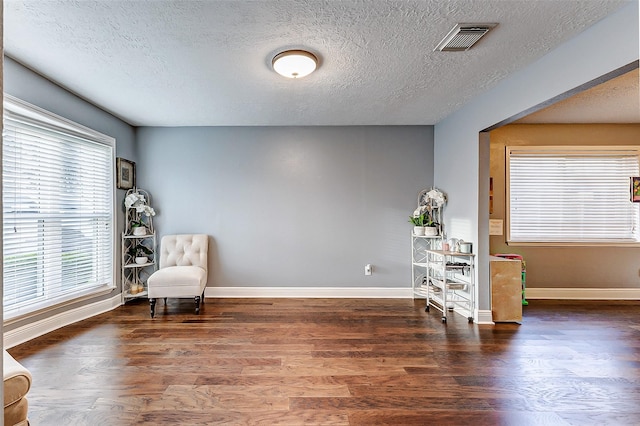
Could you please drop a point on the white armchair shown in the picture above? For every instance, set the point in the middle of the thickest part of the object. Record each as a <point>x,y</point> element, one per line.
<point>17,382</point>
<point>183,269</point>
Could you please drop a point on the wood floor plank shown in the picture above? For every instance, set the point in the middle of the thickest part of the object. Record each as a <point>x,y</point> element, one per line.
<point>232,418</point>
<point>208,399</point>
<point>455,417</point>
<point>389,402</point>
<point>337,362</point>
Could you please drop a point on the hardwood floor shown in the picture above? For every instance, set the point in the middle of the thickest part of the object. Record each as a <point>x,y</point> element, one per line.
<point>337,362</point>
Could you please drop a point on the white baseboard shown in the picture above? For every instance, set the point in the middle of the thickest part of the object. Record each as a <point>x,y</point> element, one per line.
<point>584,293</point>
<point>485,317</point>
<point>310,292</point>
<point>38,328</point>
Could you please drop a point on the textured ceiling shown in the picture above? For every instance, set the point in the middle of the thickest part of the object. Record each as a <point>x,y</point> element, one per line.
<point>176,63</point>
<point>614,101</point>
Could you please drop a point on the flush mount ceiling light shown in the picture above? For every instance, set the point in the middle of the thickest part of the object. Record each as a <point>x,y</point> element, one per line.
<point>294,63</point>
<point>463,36</point>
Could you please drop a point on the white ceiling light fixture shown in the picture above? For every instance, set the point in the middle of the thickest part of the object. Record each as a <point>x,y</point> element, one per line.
<point>294,63</point>
<point>463,36</point>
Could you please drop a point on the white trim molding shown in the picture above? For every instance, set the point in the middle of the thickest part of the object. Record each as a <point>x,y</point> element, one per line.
<point>38,328</point>
<point>485,317</point>
<point>583,293</point>
<point>310,292</point>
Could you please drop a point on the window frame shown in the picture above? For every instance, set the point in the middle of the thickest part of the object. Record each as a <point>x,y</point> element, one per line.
<point>26,112</point>
<point>558,149</point>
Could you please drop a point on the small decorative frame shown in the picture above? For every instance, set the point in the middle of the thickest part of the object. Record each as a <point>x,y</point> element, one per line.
<point>491,196</point>
<point>126,173</point>
<point>634,188</point>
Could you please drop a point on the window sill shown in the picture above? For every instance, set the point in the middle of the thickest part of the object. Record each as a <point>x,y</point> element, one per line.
<point>33,310</point>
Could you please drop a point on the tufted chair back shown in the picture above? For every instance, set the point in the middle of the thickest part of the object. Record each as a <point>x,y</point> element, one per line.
<point>184,250</point>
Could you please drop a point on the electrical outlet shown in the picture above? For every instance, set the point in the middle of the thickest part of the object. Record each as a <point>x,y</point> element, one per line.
<point>367,269</point>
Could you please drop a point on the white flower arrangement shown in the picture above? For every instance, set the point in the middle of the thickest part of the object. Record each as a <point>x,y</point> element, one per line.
<point>436,198</point>
<point>427,202</point>
<point>417,212</point>
<point>139,202</point>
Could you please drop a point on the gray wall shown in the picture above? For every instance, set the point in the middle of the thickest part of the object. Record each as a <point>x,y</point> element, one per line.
<point>580,60</point>
<point>35,89</point>
<point>291,206</point>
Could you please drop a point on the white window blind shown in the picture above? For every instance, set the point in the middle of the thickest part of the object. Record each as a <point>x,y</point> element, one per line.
<point>58,219</point>
<point>565,195</point>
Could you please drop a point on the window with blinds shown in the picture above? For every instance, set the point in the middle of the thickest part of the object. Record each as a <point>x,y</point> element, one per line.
<point>569,195</point>
<point>58,210</point>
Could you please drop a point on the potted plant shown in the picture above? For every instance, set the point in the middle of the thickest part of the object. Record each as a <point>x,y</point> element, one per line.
<point>423,224</point>
<point>140,253</point>
<point>419,222</point>
<point>137,203</point>
<point>138,228</point>
<point>430,227</point>
<point>429,204</point>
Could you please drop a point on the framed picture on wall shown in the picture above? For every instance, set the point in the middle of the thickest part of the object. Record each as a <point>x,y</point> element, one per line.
<point>126,173</point>
<point>635,189</point>
<point>490,195</point>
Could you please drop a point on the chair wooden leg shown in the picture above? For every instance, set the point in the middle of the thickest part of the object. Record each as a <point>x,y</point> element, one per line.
<point>165,300</point>
<point>152,305</point>
<point>197,305</point>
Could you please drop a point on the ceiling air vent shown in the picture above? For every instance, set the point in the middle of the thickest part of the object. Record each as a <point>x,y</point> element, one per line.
<point>463,36</point>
